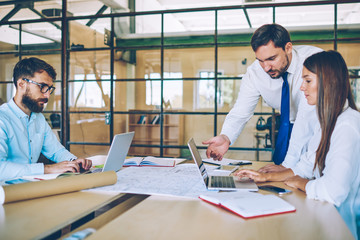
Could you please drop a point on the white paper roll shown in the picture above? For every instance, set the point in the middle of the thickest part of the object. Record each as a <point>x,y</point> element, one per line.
<point>2,195</point>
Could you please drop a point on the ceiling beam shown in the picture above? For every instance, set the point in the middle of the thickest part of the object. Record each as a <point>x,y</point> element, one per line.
<point>247,17</point>
<point>100,12</point>
<point>11,13</point>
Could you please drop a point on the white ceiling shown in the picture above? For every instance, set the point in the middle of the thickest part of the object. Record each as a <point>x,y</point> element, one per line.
<point>181,23</point>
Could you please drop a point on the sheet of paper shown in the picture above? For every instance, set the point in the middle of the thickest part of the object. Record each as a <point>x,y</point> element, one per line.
<point>41,177</point>
<point>181,180</point>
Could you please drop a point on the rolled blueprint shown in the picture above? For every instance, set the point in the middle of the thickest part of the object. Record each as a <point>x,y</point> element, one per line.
<point>29,190</point>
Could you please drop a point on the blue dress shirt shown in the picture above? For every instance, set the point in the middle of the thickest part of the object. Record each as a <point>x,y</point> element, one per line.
<point>22,139</point>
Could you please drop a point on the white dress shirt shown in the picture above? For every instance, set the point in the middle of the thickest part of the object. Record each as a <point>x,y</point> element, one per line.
<point>255,83</point>
<point>340,182</point>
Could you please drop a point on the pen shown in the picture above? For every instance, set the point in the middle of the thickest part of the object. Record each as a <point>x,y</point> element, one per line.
<point>216,164</point>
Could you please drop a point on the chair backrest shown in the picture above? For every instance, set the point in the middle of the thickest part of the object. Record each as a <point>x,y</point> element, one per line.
<point>55,119</point>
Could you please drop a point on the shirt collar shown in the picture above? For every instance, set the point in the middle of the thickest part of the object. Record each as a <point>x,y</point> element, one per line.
<point>346,105</point>
<point>18,112</point>
<point>294,62</point>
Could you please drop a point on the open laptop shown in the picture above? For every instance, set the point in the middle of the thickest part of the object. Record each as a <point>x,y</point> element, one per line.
<point>117,153</point>
<point>219,182</point>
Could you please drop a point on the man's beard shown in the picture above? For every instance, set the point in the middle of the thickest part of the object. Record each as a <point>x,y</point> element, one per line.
<point>32,104</point>
<point>281,70</point>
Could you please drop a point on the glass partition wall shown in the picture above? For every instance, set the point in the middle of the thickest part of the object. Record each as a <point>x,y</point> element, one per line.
<point>168,75</point>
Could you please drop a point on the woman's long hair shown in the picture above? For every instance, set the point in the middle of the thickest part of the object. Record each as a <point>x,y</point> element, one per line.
<point>333,91</point>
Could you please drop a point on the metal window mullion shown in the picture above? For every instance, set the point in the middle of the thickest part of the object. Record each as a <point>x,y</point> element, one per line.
<point>335,26</point>
<point>162,87</point>
<point>20,42</point>
<point>112,55</point>
<point>65,120</point>
<point>274,15</point>
<point>216,72</point>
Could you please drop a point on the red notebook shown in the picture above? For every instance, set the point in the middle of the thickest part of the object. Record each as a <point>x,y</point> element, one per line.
<point>249,205</point>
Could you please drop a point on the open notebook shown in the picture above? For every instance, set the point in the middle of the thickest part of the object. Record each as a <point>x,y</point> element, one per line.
<point>249,204</point>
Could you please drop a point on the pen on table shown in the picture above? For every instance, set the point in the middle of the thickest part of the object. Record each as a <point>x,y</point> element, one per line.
<point>216,164</point>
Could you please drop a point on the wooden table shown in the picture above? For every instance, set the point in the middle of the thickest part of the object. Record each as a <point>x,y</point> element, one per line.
<point>129,216</point>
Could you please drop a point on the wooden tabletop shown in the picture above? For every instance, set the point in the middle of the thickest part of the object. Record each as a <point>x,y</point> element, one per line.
<point>162,217</point>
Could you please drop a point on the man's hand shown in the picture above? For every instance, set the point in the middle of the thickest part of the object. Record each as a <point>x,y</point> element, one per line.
<point>254,175</point>
<point>68,166</point>
<point>217,148</point>
<point>84,163</point>
<point>272,168</point>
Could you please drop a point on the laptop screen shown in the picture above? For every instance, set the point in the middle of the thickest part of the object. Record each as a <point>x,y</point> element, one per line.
<point>118,151</point>
<point>198,160</point>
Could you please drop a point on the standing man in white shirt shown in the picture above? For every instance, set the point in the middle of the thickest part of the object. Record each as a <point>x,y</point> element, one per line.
<point>276,59</point>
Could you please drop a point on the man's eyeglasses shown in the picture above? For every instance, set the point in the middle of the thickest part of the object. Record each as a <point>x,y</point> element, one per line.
<point>44,88</point>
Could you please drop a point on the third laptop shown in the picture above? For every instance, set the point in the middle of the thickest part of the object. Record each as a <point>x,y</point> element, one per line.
<point>219,182</point>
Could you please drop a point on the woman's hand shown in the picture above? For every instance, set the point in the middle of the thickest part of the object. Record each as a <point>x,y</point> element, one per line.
<point>297,182</point>
<point>256,176</point>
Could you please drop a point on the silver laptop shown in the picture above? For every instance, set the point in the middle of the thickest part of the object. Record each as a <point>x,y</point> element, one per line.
<point>219,182</point>
<point>117,153</point>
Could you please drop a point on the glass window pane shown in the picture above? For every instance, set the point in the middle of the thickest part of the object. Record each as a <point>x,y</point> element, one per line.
<point>91,7</point>
<point>189,61</point>
<point>9,38</point>
<point>351,52</point>
<point>200,127</point>
<point>172,91</point>
<point>260,16</point>
<point>40,33</point>
<point>249,138</point>
<point>183,28</point>
<point>137,31</point>
<point>94,33</point>
<point>315,15</point>
<point>84,151</point>
<point>348,20</point>
<point>232,20</point>
<point>89,94</point>
<point>121,123</point>
<point>96,63</point>
<point>7,64</point>
<point>348,13</point>
<point>81,123</point>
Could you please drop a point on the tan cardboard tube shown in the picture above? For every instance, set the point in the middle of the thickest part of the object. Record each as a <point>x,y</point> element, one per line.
<point>24,191</point>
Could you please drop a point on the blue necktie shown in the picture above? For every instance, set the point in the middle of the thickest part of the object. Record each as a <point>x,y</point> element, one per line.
<point>282,142</point>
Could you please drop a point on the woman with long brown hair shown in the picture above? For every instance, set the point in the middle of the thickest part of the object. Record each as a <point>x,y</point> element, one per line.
<point>330,168</point>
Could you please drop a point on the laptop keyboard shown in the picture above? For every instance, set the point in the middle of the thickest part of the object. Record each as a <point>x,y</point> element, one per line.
<point>222,182</point>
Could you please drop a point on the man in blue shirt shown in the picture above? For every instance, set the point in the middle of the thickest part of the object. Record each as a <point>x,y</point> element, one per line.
<point>24,132</point>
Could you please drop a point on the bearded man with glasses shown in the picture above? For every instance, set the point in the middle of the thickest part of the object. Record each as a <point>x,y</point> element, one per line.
<point>24,132</point>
